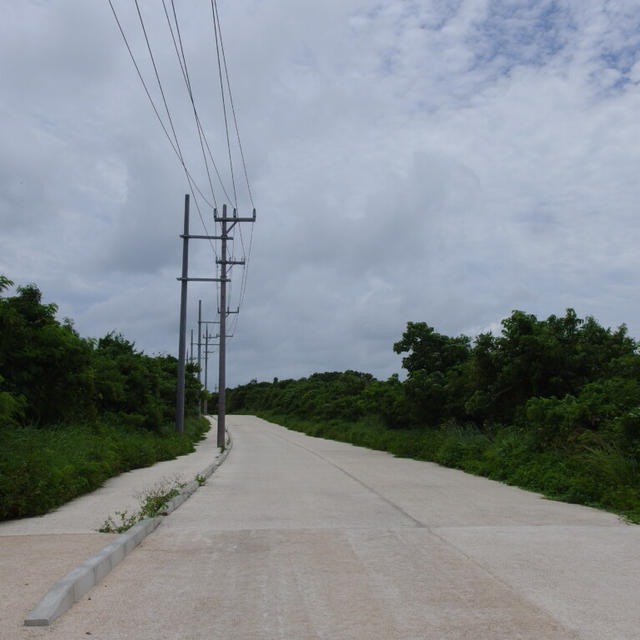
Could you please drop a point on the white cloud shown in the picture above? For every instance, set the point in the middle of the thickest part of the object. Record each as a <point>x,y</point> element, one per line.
<point>445,162</point>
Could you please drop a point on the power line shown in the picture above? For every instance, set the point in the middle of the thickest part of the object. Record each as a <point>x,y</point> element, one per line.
<point>155,70</point>
<point>233,109</point>
<point>193,186</point>
<point>153,105</point>
<point>214,11</point>
<point>169,130</point>
<point>185,73</point>
<point>182,61</point>
<point>221,54</point>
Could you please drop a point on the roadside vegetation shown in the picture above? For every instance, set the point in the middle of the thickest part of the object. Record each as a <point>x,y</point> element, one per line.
<point>75,411</point>
<point>153,503</point>
<point>548,405</point>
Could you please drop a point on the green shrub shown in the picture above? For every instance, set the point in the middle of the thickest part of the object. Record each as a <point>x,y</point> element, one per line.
<point>40,469</point>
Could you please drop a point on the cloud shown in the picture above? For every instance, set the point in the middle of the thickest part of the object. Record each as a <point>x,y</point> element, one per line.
<point>445,162</point>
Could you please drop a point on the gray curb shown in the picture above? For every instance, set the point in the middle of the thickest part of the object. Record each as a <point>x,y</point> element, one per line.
<point>83,578</point>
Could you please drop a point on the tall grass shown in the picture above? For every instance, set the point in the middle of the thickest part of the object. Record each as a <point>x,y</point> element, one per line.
<point>40,469</point>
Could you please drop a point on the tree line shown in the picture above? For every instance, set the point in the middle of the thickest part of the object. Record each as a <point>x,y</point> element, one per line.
<point>50,375</point>
<point>555,400</point>
<point>75,411</point>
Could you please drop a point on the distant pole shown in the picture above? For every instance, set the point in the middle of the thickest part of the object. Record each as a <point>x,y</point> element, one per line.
<point>222,354</point>
<point>191,350</point>
<point>199,350</point>
<point>206,370</point>
<point>183,320</point>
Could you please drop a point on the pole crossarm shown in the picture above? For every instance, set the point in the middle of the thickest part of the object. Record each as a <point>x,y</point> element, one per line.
<point>204,279</point>
<point>190,237</point>
<point>222,261</point>
<point>233,218</point>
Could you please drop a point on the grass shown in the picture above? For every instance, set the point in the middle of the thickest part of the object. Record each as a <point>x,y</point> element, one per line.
<point>153,503</point>
<point>592,474</point>
<point>41,469</point>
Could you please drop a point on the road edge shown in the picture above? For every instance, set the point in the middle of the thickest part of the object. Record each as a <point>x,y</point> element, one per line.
<point>68,590</point>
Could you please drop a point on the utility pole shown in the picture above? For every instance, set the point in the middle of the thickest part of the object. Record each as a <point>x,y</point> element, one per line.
<point>224,262</point>
<point>222,357</point>
<point>206,370</point>
<point>228,223</point>
<point>207,337</point>
<point>185,279</point>
<point>183,320</point>
<point>199,352</point>
<point>203,340</point>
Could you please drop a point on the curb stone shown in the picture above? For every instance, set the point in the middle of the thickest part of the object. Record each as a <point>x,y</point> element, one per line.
<point>68,590</point>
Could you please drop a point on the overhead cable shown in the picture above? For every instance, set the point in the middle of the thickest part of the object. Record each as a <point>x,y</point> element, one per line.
<point>233,109</point>
<point>190,178</point>
<point>214,12</point>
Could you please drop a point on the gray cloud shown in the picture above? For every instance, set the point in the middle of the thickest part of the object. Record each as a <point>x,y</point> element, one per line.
<point>436,161</point>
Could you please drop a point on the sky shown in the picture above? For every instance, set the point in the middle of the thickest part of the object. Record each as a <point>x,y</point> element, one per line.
<point>438,161</point>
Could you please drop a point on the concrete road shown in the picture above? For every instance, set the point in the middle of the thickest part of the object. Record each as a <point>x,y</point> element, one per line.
<point>36,552</point>
<point>298,538</point>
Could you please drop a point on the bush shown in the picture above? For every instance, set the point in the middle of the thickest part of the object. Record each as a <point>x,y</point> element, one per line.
<point>40,469</point>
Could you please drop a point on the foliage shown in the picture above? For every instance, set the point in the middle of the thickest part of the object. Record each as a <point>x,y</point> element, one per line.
<point>552,405</point>
<point>153,503</point>
<point>539,358</point>
<point>43,361</point>
<point>41,469</point>
<point>75,411</point>
<point>321,395</point>
<point>49,374</point>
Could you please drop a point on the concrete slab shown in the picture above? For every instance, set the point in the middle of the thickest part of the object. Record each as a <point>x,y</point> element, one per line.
<point>439,496</point>
<point>87,513</point>
<point>48,555</point>
<point>30,565</point>
<point>359,584</point>
<point>308,539</point>
<point>586,576</point>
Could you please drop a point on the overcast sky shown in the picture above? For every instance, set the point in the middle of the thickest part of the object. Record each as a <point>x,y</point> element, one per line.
<point>444,161</point>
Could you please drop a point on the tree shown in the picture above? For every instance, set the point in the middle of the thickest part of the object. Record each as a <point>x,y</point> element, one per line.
<point>43,361</point>
<point>539,358</point>
<point>435,384</point>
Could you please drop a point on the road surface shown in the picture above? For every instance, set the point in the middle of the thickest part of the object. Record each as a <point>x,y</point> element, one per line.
<point>298,538</point>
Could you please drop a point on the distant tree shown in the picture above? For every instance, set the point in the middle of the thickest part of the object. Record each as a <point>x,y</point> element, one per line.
<point>5,283</point>
<point>429,351</point>
<point>434,365</point>
<point>539,358</point>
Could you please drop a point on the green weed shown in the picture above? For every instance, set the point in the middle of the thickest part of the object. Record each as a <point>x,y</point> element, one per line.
<point>153,503</point>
